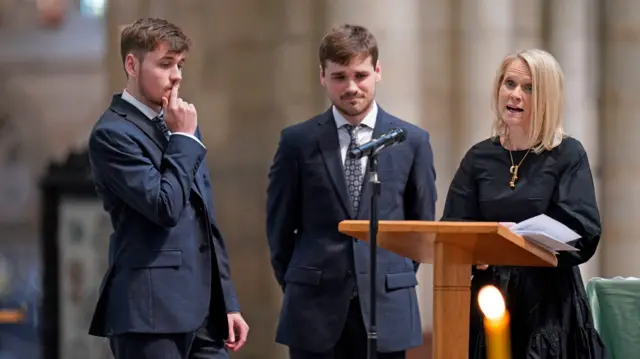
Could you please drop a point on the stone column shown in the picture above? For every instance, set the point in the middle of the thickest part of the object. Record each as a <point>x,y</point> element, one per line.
<point>257,75</point>
<point>528,31</point>
<point>572,32</point>
<point>620,129</point>
<point>435,98</point>
<point>485,28</point>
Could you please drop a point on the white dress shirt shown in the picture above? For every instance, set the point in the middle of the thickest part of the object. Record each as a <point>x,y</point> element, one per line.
<point>363,134</point>
<point>151,114</point>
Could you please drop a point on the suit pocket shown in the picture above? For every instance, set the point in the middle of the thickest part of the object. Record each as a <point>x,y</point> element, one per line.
<point>401,280</point>
<point>166,258</point>
<point>303,275</point>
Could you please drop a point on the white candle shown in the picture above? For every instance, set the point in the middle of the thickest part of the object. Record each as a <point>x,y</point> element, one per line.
<point>496,323</point>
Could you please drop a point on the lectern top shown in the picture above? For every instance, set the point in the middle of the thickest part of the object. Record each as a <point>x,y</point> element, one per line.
<point>486,242</point>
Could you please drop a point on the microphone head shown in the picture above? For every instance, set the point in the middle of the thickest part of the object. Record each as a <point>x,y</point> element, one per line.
<point>400,134</point>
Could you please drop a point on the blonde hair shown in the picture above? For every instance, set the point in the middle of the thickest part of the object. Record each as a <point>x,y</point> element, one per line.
<point>547,99</point>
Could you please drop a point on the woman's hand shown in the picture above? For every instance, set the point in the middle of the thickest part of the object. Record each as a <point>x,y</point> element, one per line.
<point>507,224</point>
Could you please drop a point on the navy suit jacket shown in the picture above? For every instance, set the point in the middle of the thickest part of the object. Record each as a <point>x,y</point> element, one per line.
<point>158,193</point>
<point>314,263</point>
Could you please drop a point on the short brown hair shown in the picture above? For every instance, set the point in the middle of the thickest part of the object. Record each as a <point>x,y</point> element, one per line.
<point>144,35</point>
<point>345,42</point>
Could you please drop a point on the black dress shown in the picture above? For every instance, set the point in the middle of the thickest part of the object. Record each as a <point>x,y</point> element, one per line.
<point>550,315</point>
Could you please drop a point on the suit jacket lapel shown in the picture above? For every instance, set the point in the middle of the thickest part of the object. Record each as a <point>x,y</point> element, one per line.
<point>132,114</point>
<point>330,150</point>
<point>384,123</point>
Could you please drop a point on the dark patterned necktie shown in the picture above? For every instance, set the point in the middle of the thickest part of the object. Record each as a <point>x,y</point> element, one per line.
<point>353,170</point>
<point>159,120</point>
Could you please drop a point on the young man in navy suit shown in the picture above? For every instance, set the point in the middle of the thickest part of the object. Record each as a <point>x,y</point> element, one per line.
<point>167,292</point>
<point>313,186</point>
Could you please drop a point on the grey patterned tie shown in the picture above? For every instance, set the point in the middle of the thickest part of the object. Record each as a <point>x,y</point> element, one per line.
<point>353,170</point>
<point>159,120</point>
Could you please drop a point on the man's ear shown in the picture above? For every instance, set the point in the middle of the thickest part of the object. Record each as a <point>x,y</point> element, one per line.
<point>322,82</point>
<point>131,65</point>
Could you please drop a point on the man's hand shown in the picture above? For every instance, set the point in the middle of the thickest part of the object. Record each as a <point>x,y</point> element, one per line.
<point>179,115</point>
<point>238,331</point>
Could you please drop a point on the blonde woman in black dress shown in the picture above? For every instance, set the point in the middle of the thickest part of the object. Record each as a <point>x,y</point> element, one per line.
<point>529,167</point>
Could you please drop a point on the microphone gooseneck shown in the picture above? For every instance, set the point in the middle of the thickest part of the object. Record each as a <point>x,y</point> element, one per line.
<point>373,147</point>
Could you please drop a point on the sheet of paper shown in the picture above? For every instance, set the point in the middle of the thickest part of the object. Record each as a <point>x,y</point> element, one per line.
<point>547,232</point>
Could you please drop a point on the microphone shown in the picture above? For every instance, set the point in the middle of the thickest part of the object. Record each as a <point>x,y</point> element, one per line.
<point>393,137</point>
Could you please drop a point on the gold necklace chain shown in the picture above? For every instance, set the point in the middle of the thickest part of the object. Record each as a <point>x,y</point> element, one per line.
<point>514,169</point>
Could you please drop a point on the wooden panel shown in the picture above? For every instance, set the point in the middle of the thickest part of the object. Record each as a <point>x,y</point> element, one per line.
<point>451,301</point>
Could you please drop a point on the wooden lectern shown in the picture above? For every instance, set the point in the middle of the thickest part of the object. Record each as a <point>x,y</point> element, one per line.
<point>452,248</point>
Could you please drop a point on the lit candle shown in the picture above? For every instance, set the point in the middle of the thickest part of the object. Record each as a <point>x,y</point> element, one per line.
<point>496,323</point>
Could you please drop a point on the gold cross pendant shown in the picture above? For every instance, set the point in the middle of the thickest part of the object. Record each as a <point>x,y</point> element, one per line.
<point>514,172</point>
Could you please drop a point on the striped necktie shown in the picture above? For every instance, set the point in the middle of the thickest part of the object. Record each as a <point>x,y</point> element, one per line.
<point>159,120</point>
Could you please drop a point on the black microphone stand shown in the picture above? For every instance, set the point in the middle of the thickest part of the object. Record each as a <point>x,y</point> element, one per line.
<point>372,334</point>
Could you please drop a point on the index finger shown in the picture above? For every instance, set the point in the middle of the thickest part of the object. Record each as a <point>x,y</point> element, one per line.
<point>174,92</point>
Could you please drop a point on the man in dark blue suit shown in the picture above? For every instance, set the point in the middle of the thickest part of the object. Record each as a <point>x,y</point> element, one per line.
<point>313,186</point>
<point>167,292</point>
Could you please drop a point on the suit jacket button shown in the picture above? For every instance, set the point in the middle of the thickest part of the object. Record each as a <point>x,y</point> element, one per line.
<point>203,248</point>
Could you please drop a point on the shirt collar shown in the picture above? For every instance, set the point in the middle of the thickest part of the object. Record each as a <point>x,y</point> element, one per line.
<point>146,110</point>
<point>369,120</point>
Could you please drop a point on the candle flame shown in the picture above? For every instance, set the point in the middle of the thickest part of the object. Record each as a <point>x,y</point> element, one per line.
<point>491,302</point>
